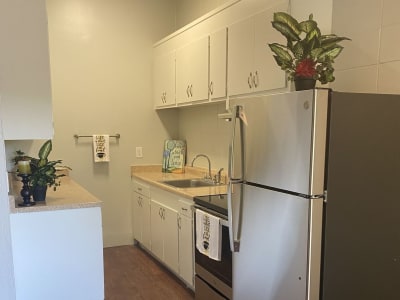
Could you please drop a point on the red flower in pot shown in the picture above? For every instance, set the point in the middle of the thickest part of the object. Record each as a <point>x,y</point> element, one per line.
<point>306,68</point>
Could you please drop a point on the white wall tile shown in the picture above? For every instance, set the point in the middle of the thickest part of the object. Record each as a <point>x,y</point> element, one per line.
<point>321,10</point>
<point>389,74</point>
<point>391,10</point>
<point>358,80</point>
<point>390,43</point>
<point>362,50</point>
<point>356,15</point>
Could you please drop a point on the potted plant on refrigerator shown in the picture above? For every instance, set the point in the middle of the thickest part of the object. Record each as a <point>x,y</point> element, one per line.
<point>308,55</point>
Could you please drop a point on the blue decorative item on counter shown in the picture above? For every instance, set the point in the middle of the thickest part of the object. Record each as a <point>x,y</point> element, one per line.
<point>174,156</point>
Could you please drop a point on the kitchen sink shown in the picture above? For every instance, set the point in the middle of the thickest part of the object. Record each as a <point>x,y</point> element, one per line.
<point>189,183</point>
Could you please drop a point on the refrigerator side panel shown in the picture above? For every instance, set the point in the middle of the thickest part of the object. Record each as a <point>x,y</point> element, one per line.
<point>318,147</point>
<point>272,262</point>
<point>362,224</point>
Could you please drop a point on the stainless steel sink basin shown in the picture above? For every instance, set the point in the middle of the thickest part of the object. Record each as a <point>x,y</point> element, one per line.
<point>189,183</point>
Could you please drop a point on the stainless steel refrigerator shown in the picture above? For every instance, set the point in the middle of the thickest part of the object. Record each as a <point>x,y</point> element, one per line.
<point>313,196</point>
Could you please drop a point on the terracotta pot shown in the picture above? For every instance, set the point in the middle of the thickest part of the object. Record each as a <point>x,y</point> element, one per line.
<point>301,83</point>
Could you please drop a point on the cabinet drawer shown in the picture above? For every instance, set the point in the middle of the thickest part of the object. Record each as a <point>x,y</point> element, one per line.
<point>141,188</point>
<point>185,208</point>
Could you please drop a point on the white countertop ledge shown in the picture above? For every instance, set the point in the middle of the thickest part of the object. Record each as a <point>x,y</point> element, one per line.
<point>69,195</point>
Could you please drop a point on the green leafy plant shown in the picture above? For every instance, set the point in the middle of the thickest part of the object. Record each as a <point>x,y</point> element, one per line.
<point>308,53</point>
<point>43,171</point>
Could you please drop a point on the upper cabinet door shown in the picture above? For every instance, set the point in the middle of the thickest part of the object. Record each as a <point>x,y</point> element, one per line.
<point>240,57</point>
<point>25,86</point>
<point>164,80</point>
<point>192,65</point>
<point>218,64</point>
<point>251,66</point>
<point>269,75</point>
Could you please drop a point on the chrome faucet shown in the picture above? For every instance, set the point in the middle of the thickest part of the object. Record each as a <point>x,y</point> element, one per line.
<point>218,176</point>
<point>209,164</point>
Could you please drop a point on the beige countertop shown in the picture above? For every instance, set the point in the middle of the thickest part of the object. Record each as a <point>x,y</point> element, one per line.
<point>69,195</point>
<point>152,174</point>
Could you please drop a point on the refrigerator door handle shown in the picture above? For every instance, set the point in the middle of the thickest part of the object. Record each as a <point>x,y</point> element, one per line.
<point>235,228</point>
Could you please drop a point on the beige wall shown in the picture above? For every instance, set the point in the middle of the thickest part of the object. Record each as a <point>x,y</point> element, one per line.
<point>101,62</point>
<point>189,10</point>
<point>206,134</point>
<point>371,61</point>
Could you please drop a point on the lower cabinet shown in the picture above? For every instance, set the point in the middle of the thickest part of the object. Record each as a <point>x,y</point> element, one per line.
<point>164,234</point>
<point>141,213</point>
<point>141,219</point>
<point>163,224</point>
<point>186,243</point>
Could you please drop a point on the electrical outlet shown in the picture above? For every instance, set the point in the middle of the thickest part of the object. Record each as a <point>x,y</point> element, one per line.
<point>139,152</point>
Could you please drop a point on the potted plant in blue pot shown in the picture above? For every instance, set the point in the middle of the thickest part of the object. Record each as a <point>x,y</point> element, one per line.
<point>44,173</point>
<point>308,55</point>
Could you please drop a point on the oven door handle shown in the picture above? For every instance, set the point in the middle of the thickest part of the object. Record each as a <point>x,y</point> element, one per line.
<point>223,219</point>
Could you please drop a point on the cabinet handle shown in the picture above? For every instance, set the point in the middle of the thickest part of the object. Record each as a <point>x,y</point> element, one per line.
<point>160,212</point>
<point>249,80</point>
<point>211,88</point>
<point>163,213</point>
<point>184,209</point>
<point>187,91</point>
<point>255,79</point>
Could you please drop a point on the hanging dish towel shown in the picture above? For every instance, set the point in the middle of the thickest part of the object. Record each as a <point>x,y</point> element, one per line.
<point>208,235</point>
<point>101,147</point>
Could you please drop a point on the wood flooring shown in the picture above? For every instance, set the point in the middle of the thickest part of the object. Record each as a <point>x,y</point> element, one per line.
<point>131,273</point>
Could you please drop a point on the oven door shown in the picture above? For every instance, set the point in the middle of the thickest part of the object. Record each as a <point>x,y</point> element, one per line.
<point>215,276</point>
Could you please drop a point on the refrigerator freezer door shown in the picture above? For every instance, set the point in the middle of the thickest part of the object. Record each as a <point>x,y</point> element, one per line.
<point>285,139</point>
<point>272,262</point>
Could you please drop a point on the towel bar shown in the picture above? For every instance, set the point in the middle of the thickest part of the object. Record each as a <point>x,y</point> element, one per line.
<point>117,135</point>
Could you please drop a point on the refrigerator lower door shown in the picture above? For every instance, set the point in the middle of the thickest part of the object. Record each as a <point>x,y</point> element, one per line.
<point>272,262</point>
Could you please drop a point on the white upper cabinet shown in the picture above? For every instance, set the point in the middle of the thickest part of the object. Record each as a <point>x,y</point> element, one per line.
<point>192,65</point>
<point>218,63</point>
<point>164,79</point>
<point>25,86</point>
<point>251,66</point>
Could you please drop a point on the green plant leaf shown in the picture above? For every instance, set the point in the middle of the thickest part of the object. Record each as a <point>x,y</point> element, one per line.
<point>330,53</point>
<point>298,50</point>
<point>286,30</point>
<point>287,19</point>
<point>307,26</point>
<point>331,40</point>
<point>45,150</point>
<point>315,53</point>
<point>281,52</point>
<point>314,34</point>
